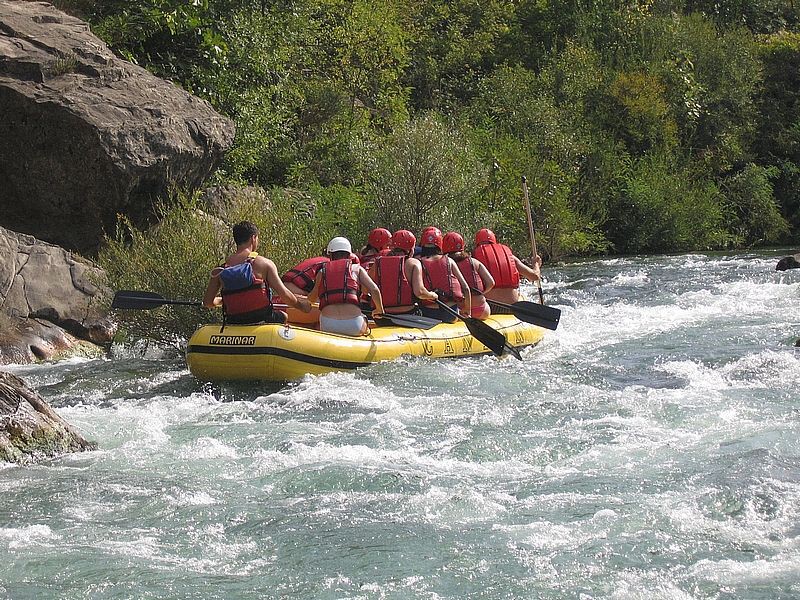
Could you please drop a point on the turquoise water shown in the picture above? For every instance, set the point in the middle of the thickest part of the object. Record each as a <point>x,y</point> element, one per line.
<point>647,449</point>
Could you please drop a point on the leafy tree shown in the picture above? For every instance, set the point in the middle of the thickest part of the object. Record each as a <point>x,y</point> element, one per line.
<point>425,172</point>
<point>637,114</point>
<point>778,139</point>
<point>760,16</point>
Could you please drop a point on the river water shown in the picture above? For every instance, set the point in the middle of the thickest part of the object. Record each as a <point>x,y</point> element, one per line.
<point>647,449</point>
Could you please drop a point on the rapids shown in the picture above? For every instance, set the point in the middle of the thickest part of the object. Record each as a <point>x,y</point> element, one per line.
<point>647,449</point>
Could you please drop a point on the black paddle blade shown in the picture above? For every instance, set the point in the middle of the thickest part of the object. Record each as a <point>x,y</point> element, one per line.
<point>416,321</point>
<point>486,335</point>
<point>512,350</point>
<point>137,299</point>
<point>489,337</point>
<point>536,314</point>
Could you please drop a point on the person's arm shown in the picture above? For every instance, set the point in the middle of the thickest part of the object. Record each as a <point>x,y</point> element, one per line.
<point>210,297</point>
<point>529,273</point>
<point>313,295</point>
<point>273,280</point>
<point>483,273</point>
<point>467,304</point>
<point>367,283</point>
<point>417,285</point>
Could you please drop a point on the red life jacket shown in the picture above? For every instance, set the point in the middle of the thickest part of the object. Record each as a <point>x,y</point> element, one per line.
<point>470,273</point>
<point>366,260</point>
<point>437,274</point>
<point>245,297</point>
<point>390,277</point>
<point>303,274</point>
<point>499,260</point>
<point>338,284</point>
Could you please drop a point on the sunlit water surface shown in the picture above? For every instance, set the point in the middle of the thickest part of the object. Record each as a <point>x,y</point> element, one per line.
<point>647,449</point>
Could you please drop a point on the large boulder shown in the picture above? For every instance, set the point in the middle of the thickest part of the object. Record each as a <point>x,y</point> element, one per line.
<point>29,428</point>
<point>788,262</point>
<point>45,290</point>
<point>85,135</point>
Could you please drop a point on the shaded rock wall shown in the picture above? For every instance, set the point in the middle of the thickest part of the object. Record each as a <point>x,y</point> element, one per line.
<point>85,135</point>
<point>29,428</point>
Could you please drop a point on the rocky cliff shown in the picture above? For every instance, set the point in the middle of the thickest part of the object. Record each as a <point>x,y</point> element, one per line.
<point>85,135</point>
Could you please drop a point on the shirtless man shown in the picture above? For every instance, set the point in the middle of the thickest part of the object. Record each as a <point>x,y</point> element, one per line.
<point>241,285</point>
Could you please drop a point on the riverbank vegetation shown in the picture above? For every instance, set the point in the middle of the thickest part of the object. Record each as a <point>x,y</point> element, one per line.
<point>649,126</point>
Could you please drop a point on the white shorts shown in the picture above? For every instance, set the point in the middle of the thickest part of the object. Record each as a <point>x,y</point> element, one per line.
<point>352,326</point>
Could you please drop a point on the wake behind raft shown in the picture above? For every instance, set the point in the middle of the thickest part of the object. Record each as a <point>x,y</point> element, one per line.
<point>274,352</point>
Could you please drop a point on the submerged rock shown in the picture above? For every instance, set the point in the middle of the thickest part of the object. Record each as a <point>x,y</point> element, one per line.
<point>85,136</point>
<point>29,428</point>
<point>788,262</point>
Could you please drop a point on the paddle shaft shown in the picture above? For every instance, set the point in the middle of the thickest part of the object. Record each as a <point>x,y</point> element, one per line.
<point>531,231</point>
<point>530,312</point>
<point>139,300</point>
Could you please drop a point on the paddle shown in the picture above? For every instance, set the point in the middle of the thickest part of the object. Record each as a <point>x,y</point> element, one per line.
<point>530,312</point>
<point>145,300</point>
<point>531,232</point>
<point>416,321</point>
<point>138,300</point>
<point>491,338</point>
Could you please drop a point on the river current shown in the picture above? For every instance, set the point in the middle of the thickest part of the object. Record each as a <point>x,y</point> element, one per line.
<point>647,449</point>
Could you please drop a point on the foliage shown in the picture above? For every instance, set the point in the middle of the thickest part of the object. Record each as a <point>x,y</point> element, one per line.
<point>656,125</point>
<point>663,210</point>
<point>424,173</point>
<point>753,215</point>
<point>778,139</point>
<point>172,259</point>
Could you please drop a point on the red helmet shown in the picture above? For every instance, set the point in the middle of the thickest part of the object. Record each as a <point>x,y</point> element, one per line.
<point>379,238</point>
<point>424,231</point>
<point>484,236</point>
<point>452,242</point>
<point>431,236</point>
<point>404,240</point>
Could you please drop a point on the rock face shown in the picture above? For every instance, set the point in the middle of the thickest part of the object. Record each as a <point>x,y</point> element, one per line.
<point>85,135</point>
<point>45,290</point>
<point>29,428</point>
<point>788,262</point>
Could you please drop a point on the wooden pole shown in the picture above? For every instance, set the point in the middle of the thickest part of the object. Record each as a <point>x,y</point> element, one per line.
<point>531,232</point>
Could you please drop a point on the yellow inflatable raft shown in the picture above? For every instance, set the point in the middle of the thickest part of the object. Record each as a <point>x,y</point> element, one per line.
<point>282,353</point>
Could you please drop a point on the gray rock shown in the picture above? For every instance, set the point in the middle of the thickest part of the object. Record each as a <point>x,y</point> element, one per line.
<point>24,341</point>
<point>222,200</point>
<point>85,135</point>
<point>788,262</point>
<point>45,290</point>
<point>30,429</point>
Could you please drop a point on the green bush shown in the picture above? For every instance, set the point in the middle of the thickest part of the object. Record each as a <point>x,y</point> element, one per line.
<point>752,213</point>
<point>662,209</point>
